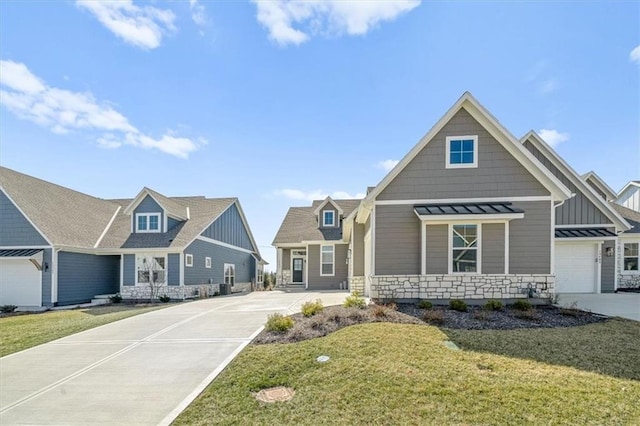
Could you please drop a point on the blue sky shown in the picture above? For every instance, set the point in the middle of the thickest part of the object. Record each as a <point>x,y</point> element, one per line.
<point>280,102</point>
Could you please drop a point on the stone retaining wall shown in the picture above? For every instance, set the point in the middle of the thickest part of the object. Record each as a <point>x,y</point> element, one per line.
<point>176,292</point>
<point>356,284</point>
<point>460,286</point>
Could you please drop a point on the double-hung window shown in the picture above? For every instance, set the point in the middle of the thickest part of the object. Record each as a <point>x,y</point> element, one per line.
<point>464,248</point>
<point>462,152</point>
<point>229,273</point>
<point>630,257</point>
<point>327,261</point>
<point>328,218</point>
<point>148,222</point>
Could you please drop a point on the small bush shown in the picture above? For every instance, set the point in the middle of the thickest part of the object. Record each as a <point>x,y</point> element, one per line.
<point>116,298</point>
<point>425,304</point>
<point>309,309</point>
<point>458,305</point>
<point>481,315</point>
<point>433,317</point>
<point>278,323</point>
<point>493,305</point>
<point>356,315</point>
<point>522,305</point>
<point>572,312</point>
<point>354,300</point>
<point>7,309</point>
<point>379,311</point>
<point>529,314</point>
<point>164,298</point>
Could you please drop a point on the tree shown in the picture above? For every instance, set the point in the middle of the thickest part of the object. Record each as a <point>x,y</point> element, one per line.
<point>152,272</point>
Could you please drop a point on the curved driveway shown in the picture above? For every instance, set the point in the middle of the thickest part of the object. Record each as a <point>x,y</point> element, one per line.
<point>142,370</point>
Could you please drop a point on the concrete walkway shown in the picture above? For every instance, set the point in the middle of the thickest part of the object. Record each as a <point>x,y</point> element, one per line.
<point>142,370</point>
<point>625,305</point>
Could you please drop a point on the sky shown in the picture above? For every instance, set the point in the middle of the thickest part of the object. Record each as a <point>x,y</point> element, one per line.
<point>281,102</point>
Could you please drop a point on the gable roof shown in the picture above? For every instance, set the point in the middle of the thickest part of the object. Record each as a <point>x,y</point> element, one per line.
<point>600,183</point>
<point>558,191</point>
<point>633,183</point>
<point>171,207</point>
<point>64,216</point>
<point>300,224</point>
<point>324,203</point>
<point>573,176</point>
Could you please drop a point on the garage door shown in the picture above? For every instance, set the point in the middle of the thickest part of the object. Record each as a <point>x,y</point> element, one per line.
<point>576,268</point>
<point>20,283</point>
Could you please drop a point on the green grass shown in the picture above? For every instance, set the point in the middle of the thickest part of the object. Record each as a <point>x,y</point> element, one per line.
<point>403,374</point>
<point>24,331</point>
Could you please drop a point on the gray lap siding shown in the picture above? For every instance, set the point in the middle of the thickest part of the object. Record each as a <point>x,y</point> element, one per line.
<point>318,282</point>
<point>608,273</point>
<point>530,239</point>
<point>83,276</point>
<point>46,277</point>
<point>199,274</point>
<point>492,248</point>
<point>397,240</point>
<point>129,269</point>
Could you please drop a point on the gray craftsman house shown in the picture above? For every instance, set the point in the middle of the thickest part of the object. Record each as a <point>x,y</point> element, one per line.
<point>470,212</point>
<point>60,247</point>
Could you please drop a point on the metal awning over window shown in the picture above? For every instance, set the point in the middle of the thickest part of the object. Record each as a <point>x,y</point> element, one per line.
<point>19,252</point>
<point>584,233</point>
<point>463,211</point>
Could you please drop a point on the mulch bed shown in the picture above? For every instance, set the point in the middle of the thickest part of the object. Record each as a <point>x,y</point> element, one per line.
<point>336,317</point>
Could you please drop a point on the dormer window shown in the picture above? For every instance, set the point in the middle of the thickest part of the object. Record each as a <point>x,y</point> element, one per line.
<point>328,218</point>
<point>148,222</point>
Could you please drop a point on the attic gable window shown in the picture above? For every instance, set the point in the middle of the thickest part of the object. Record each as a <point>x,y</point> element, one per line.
<point>328,218</point>
<point>148,222</point>
<point>462,152</point>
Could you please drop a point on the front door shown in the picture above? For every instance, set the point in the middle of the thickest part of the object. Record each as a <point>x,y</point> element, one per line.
<point>297,269</point>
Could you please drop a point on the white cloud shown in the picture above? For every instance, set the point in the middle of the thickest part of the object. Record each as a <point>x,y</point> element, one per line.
<point>387,165</point>
<point>198,13</point>
<point>634,56</point>
<point>62,111</point>
<point>353,17</point>
<point>140,26</point>
<point>553,137</point>
<point>317,194</point>
<point>548,86</point>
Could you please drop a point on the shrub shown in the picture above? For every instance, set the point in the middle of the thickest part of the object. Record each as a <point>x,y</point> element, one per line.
<point>493,305</point>
<point>522,305</point>
<point>355,301</point>
<point>164,298</point>
<point>458,305</point>
<point>481,315</point>
<point>116,298</point>
<point>379,311</point>
<point>7,309</point>
<point>425,304</point>
<point>278,323</point>
<point>528,314</point>
<point>309,309</point>
<point>433,317</point>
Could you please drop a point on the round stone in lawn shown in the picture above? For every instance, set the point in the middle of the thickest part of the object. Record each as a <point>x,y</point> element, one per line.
<point>277,394</point>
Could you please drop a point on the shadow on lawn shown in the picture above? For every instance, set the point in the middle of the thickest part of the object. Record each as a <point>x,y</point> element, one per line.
<point>611,348</point>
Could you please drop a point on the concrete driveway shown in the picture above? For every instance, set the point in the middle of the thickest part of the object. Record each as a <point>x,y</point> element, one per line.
<point>142,370</point>
<point>625,305</point>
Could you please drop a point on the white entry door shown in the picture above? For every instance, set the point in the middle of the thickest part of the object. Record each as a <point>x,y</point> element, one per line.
<point>577,267</point>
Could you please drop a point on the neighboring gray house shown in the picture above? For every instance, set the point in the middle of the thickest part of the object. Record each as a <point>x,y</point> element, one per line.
<point>310,246</point>
<point>471,213</point>
<point>61,247</point>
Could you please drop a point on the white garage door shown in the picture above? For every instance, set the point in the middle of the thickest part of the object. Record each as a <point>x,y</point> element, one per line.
<point>576,267</point>
<point>20,283</point>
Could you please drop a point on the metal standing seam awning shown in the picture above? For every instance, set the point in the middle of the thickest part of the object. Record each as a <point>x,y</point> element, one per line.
<point>461,211</point>
<point>19,252</point>
<point>584,233</point>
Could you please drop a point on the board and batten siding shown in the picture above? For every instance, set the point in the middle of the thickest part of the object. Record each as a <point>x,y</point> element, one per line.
<point>630,198</point>
<point>83,276</point>
<point>492,247</point>
<point>199,274</point>
<point>15,229</point>
<point>578,210</point>
<point>397,240</point>
<point>357,256</point>
<point>530,239</point>
<point>608,272</point>
<point>437,253</point>
<point>148,205</point>
<point>317,282</point>
<point>230,229</point>
<point>498,173</point>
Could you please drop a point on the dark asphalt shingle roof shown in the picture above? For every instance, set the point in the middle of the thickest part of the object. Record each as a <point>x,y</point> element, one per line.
<point>631,216</point>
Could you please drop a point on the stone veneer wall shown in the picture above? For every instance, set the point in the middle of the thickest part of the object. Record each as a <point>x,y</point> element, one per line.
<point>356,284</point>
<point>460,286</point>
<point>175,292</point>
<point>628,281</point>
<point>283,278</point>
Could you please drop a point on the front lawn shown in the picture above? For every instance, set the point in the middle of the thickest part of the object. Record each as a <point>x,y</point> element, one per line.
<point>24,331</point>
<point>384,373</point>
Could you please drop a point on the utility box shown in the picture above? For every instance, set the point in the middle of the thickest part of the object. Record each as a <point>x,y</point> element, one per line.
<point>225,289</point>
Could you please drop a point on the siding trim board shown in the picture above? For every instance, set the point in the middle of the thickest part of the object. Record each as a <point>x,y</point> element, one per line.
<point>464,200</point>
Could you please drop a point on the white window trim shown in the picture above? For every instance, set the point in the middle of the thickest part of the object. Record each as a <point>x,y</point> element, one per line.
<point>478,249</point>
<point>333,261</point>
<point>260,275</point>
<point>224,273</point>
<point>622,256</point>
<point>333,217</point>
<point>207,262</point>
<point>188,260</point>
<point>473,165</point>
<point>148,215</point>
<point>166,266</point>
